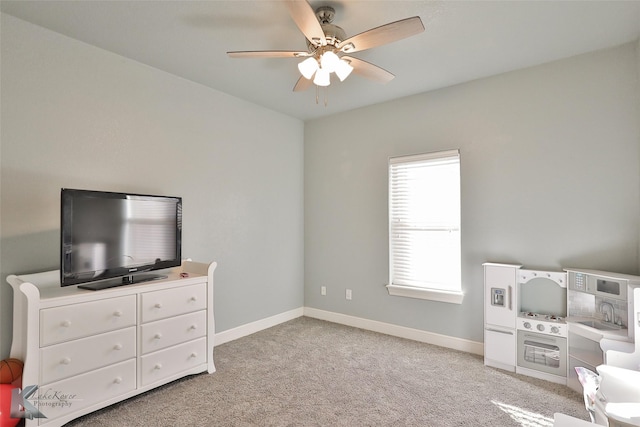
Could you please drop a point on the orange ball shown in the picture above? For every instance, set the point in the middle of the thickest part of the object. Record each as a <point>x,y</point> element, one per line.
<point>10,370</point>
<point>5,407</point>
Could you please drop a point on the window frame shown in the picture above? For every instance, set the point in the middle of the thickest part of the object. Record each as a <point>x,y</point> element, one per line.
<point>454,296</point>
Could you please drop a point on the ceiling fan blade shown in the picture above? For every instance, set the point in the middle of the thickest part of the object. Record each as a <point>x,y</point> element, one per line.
<point>302,84</point>
<point>384,34</point>
<point>306,20</point>
<point>268,54</point>
<point>368,70</point>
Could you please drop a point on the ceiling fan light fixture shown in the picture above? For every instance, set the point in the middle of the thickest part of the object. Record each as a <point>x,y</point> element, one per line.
<point>322,78</point>
<point>329,61</point>
<point>308,67</point>
<point>343,69</point>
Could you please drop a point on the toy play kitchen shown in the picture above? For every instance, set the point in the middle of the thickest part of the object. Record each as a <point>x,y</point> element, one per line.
<point>546,324</point>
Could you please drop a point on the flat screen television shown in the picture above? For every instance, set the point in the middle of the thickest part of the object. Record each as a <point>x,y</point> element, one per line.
<point>108,239</point>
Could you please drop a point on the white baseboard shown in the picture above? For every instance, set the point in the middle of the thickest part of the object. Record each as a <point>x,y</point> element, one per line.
<point>257,326</point>
<point>356,322</point>
<point>398,331</point>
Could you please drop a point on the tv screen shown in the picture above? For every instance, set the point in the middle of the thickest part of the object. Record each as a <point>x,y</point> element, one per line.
<point>108,235</point>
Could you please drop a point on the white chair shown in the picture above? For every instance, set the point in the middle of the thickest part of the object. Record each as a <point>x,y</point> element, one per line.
<point>623,414</point>
<point>618,398</point>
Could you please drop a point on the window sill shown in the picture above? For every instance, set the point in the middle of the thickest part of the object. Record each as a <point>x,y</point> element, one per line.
<point>451,297</point>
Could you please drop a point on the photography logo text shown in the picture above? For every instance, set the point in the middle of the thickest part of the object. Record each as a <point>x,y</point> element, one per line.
<point>31,402</point>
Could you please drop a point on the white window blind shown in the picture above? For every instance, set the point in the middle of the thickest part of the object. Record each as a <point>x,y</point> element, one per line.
<point>424,221</point>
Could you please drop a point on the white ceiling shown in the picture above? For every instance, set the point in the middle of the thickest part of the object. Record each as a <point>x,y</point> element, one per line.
<point>462,41</point>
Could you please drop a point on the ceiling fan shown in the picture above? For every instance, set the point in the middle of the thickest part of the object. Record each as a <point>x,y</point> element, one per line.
<point>328,48</point>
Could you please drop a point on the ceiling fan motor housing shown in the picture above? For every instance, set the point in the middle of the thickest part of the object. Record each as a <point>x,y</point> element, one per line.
<point>333,34</point>
<point>325,14</point>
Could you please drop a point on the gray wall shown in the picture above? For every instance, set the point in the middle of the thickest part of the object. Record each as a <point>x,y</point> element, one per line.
<point>80,117</point>
<point>550,179</point>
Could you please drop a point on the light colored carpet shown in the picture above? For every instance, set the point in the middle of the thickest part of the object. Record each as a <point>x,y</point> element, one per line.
<point>309,372</point>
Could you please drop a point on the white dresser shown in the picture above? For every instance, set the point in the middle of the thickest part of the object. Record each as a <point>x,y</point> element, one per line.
<point>85,350</point>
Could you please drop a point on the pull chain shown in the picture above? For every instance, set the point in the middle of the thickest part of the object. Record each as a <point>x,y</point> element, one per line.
<point>326,95</point>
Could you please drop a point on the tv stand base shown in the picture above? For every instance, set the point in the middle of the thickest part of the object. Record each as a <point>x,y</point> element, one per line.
<point>127,280</point>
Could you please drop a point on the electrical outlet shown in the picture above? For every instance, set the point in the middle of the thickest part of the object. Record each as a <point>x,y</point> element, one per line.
<point>323,290</point>
<point>348,294</point>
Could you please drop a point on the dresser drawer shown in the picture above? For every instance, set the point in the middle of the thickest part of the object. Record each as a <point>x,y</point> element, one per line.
<point>69,322</point>
<point>175,330</point>
<point>165,363</point>
<point>173,302</point>
<point>67,396</point>
<point>85,354</point>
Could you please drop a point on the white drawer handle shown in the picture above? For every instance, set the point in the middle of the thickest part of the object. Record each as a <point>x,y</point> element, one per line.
<point>193,327</point>
<point>66,361</point>
<point>65,323</point>
<point>117,347</point>
<point>158,305</point>
<point>118,380</point>
<point>194,354</point>
<point>193,299</point>
<point>117,313</point>
<point>157,336</point>
<point>158,366</point>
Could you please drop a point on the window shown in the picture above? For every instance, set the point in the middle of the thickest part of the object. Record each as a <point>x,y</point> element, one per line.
<point>424,226</point>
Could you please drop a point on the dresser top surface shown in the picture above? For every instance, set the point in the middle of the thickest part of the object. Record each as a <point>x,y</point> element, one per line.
<point>49,288</point>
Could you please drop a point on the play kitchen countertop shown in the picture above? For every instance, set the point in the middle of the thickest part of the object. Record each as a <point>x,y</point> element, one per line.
<point>596,329</point>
